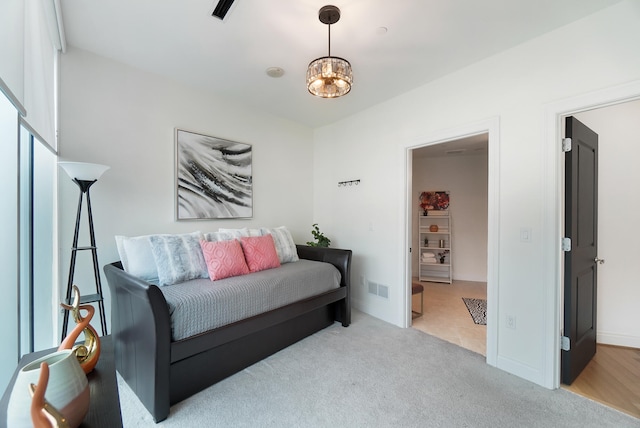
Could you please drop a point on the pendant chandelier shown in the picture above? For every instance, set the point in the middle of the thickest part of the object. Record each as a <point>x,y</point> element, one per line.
<point>329,76</point>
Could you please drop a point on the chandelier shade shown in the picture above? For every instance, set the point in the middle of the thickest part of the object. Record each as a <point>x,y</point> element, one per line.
<point>329,76</point>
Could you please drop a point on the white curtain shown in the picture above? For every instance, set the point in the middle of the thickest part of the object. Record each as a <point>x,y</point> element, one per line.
<point>12,52</point>
<point>39,73</point>
<point>30,39</point>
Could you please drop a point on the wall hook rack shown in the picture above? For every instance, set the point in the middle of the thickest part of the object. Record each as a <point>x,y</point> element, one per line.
<point>348,183</point>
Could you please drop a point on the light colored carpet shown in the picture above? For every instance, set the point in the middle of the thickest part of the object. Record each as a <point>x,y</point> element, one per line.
<point>373,374</point>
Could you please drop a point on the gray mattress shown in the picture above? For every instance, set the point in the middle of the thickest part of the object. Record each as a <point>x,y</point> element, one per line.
<point>200,305</point>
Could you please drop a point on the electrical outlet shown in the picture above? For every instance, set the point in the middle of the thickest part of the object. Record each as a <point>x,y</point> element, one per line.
<point>511,321</point>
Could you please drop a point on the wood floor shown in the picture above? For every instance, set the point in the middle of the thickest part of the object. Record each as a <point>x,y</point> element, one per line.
<point>611,378</point>
<point>446,316</point>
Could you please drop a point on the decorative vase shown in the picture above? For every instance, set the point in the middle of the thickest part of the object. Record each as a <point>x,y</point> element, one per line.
<point>43,414</point>
<point>425,213</point>
<point>433,228</point>
<point>67,389</point>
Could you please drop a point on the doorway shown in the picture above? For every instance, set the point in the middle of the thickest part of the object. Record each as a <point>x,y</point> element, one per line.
<point>611,377</point>
<point>459,167</point>
<point>490,128</point>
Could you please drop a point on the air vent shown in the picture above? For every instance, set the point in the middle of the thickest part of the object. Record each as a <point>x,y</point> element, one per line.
<point>383,291</point>
<point>373,288</point>
<point>378,289</point>
<point>455,152</point>
<point>222,8</point>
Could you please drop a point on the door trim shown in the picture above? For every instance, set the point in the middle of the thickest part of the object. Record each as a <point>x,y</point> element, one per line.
<point>553,218</point>
<point>491,127</point>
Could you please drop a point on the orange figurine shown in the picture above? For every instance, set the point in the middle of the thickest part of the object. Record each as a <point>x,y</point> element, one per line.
<point>89,352</point>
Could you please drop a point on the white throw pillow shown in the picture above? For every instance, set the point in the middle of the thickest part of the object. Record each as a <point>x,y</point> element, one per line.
<point>285,247</point>
<point>137,258</point>
<point>218,236</point>
<point>178,258</point>
<point>241,233</point>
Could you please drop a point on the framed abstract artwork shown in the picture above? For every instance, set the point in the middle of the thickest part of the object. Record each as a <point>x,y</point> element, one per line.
<point>213,177</point>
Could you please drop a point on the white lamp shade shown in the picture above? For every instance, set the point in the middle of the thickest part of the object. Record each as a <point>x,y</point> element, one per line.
<point>83,171</point>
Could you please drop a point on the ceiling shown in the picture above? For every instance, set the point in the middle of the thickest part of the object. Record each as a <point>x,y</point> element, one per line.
<point>424,40</point>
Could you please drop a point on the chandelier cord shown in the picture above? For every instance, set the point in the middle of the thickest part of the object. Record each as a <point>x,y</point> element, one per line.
<point>329,39</point>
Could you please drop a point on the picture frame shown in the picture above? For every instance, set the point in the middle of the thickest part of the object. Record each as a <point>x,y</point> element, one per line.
<point>434,200</point>
<point>213,177</point>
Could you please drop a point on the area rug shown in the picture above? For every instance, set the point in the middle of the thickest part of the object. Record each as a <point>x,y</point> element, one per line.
<point>477,309</point>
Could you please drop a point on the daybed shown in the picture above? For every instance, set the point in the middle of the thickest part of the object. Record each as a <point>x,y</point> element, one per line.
<point>162,371</point>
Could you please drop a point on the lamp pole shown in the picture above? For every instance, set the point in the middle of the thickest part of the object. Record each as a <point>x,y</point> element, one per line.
<point>90,174</point>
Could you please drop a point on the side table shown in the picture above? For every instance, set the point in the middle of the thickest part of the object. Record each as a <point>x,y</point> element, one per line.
<point>104,408</point>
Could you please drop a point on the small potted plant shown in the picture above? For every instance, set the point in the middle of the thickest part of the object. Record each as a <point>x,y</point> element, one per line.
<point>320,239</point>
<point>442,256</point>
<point>424,202</point>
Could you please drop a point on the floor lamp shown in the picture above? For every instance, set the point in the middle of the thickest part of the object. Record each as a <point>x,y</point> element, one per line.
<point>84,175</point>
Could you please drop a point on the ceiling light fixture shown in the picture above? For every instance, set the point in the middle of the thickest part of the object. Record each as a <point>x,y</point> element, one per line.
<point>329,76</point>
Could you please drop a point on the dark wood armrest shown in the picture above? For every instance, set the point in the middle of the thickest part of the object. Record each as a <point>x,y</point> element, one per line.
<point>142,338</point>
<point>341,259</point>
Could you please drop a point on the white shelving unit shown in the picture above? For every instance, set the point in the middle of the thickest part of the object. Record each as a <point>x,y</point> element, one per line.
<point>432,242</point>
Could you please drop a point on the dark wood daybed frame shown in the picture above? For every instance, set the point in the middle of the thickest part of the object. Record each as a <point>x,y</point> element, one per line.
<point>162,372</point>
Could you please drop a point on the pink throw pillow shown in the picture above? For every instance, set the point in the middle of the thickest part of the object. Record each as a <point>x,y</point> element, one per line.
<point>260,252</point>
<point>224,259</point>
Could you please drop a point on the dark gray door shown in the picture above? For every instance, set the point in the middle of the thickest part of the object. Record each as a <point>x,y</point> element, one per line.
<point>580,264</point>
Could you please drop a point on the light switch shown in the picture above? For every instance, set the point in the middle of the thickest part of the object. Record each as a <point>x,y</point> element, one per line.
<point>525,234</point>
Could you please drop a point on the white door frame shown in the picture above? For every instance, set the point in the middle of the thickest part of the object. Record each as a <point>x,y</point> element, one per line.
<point>492,127</point>
<point>553,221</point>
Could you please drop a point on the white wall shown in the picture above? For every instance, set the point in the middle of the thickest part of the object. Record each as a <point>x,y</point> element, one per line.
<point>597,52</point>
<point>466,178</point>
<point>618,128</point>
<point>125,118</point>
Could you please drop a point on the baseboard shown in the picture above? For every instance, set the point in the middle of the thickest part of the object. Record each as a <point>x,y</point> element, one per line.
<point>470,278</point>
<point>618,339</point>
<point>522,370</point>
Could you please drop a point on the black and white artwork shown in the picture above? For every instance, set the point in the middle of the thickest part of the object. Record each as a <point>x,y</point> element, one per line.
<point>213,177</point>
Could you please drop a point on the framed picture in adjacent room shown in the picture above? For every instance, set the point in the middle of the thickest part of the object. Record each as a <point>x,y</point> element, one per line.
<point>213,177</point>
<point>434,200</point>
